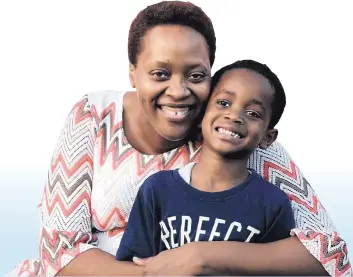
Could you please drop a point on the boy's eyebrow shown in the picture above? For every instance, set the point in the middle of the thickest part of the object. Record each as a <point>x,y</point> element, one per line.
<point>252,101</point>
<point>259,103</point>
<point>230,93</point>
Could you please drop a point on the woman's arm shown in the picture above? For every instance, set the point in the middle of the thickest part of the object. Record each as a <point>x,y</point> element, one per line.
<point>96,262</point>
<point>67,245</point>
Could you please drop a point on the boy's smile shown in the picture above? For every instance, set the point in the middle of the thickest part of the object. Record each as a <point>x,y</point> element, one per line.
<point>230,132</point>
<point>238,114</point>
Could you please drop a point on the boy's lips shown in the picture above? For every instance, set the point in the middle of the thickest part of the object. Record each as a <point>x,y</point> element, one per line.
<point>231,132</point>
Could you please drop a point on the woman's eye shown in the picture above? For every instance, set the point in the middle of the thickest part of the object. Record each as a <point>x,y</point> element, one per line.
<point>253,114</point>
<point>160,75</point>
<point>197,76</point>
<point>223,103</point>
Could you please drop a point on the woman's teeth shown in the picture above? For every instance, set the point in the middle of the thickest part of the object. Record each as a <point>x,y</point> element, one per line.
<point>229,133</point>
<point>175,111</point>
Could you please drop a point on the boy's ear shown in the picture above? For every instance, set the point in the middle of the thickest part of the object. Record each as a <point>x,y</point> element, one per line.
<point>132,75</point>
<point>269,138</point>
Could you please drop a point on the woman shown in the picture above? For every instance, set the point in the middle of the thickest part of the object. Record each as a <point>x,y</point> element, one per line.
<point>112,141</point>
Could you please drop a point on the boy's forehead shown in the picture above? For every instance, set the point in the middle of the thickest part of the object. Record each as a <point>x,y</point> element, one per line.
<point>243,77</point>
<point>243,80</point>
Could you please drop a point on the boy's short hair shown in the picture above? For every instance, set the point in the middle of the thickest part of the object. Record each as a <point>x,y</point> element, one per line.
<point>279,101</point>
<point>175,13</point>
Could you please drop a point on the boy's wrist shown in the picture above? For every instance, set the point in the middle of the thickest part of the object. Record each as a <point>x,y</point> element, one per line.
<point>215,258</point>
<point>204,262</point>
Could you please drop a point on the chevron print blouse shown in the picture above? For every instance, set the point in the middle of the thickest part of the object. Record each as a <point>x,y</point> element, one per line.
<point>95,174</point>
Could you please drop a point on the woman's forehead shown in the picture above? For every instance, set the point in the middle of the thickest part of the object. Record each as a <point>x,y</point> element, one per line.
<point>172,43</point>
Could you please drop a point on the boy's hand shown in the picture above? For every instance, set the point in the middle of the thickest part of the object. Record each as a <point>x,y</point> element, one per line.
<point>182,261</point>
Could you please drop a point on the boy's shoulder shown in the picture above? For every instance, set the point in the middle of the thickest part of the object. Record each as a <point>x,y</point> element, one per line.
<point>158,180</point>
<point>270,191</point>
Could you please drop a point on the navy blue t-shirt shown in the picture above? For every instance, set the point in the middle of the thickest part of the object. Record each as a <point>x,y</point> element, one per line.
<point>168,212</point>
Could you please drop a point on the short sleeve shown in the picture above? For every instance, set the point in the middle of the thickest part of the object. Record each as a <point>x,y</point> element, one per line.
<point>65,208</point>
<point>282,225</point>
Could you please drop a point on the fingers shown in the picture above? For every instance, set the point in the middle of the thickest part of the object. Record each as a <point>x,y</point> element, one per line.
<point>141,262</point>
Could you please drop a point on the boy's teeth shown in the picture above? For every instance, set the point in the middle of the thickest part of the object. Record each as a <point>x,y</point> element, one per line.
<point>227,132</point>
<point>175,111</point>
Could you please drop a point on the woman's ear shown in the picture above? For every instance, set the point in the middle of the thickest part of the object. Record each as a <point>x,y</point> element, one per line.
<point>132,71</point>
<point>268,139</point>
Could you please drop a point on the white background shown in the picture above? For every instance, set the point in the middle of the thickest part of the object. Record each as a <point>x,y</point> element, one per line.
<point>54,52</point>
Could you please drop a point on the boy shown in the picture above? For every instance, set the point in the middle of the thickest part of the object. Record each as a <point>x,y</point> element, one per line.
<point>218,198</point>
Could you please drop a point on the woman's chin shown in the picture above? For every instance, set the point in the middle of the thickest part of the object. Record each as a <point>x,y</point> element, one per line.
<point>175,135</point>
<point>174,138</point>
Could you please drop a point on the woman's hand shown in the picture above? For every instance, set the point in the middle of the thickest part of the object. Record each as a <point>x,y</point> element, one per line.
<point>182,261</point>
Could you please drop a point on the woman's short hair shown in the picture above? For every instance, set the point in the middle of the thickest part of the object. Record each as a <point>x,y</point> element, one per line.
<point>175,13</point>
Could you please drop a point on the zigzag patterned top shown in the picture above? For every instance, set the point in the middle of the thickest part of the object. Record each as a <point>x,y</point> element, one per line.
<point>95,174</point>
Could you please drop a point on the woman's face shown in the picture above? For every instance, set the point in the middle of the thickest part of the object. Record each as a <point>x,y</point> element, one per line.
<point>172,79</point>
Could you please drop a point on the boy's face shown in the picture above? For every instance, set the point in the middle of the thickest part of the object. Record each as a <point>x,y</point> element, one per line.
<point>238,114</point>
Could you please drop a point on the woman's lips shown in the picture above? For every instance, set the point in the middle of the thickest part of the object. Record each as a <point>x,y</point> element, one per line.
<point>176,113</point>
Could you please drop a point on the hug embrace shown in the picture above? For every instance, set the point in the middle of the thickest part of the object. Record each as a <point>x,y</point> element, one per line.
<point>183,175</point>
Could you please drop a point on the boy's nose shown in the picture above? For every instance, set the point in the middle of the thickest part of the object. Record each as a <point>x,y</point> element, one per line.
<point>234,117</point>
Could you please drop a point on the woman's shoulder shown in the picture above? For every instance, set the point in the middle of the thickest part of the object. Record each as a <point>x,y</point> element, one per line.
<point>105,104</point>
<point>106,99</point>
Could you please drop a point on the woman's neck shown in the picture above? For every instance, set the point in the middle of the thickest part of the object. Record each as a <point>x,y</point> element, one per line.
<point>140,133</point>
<point>216,173</point>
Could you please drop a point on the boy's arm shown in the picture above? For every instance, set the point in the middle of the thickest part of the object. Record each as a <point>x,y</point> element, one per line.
<point>138,239</point>
<point>283,223</point>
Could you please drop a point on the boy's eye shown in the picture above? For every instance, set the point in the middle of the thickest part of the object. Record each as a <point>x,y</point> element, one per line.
<point>253,114</point>
<point>223,103</point>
